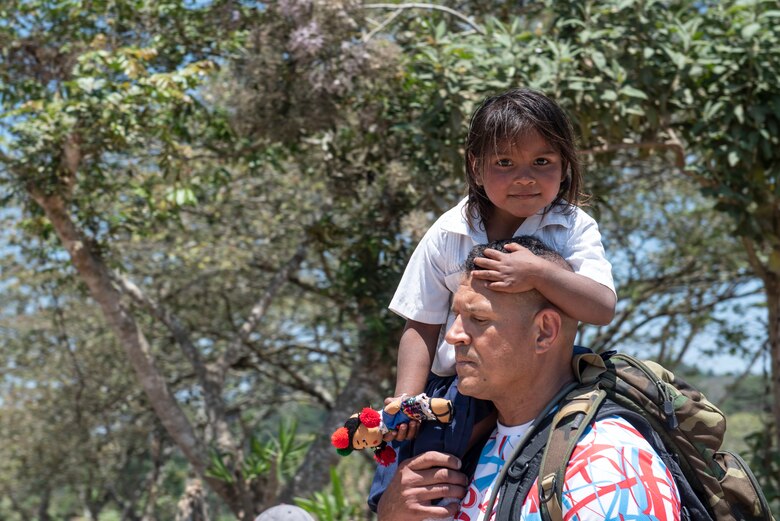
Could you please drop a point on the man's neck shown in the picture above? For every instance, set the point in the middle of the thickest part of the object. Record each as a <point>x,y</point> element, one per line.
<point>526,405</point>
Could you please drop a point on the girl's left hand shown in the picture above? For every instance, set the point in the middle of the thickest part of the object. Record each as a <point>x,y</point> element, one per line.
<point>405,431</point>
<point>508,272</point>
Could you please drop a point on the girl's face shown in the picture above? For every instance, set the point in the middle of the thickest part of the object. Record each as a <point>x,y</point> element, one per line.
<point>521,178</point>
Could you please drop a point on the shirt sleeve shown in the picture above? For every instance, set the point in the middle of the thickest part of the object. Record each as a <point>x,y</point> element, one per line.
<point>422,294</point>
<point>585,252</point>
<point>614,474</point>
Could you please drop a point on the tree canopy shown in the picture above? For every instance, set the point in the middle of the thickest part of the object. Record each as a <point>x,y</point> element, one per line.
<point>211,203</point>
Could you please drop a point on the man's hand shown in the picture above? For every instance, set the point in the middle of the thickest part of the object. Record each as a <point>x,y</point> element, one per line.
<point>509,272</point>
<point>419,482</point>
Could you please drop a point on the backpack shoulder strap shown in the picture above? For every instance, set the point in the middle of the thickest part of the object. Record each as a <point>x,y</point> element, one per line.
<point>576,402</point>
<point>529,448</point>
<point>521,474</point>
<point>568,425</point>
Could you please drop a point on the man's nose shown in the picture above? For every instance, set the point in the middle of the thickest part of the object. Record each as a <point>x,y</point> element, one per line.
<point>456,334</point>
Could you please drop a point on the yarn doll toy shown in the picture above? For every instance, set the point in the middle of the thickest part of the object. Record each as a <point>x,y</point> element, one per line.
<point>365,430</point>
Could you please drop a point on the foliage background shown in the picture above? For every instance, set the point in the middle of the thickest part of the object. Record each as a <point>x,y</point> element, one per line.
<point>207,206</point>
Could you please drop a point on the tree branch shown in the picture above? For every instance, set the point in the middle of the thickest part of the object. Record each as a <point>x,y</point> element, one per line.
<point>434,7</point>
<point>755,262</point>
<point>210,383</point>
<point>382,25</point>
<point>311,288</point>
<point>674,145</point>
<point>180,333</point>
<point>232,353</point>
<point>319,393</point>
<point>734,385</point>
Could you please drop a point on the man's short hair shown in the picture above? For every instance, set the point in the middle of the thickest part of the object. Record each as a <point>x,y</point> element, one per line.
<point>538,248</point>
<point>534,245</point>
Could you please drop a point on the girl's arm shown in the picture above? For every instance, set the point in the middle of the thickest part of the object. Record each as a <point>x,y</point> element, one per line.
<point>415,357</point>
<point>578,296</point>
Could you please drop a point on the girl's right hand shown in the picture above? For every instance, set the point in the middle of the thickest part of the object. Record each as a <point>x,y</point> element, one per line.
<point>405,431</point>
<point>512,272</point>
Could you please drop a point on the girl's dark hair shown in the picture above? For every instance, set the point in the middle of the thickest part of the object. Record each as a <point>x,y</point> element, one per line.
<point>505,118</point>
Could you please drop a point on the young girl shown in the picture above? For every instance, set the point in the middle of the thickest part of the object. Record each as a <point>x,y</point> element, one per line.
<point>523,179</point>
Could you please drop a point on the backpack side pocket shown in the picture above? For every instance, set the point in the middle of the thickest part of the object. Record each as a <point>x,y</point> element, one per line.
<point>741,488</point>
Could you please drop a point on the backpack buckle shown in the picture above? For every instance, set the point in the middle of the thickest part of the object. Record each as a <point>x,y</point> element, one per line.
<point>548,488</point>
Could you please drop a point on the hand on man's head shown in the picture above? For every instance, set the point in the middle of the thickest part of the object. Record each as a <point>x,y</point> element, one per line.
<point>512,271</point>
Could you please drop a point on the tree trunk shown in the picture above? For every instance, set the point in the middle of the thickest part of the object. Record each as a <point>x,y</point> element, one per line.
<point>95,274</point>
<point>773,311</point>
<point>770,275</point>
<point>192,505</point>
<point>43,506</point>
<point>153,478</point>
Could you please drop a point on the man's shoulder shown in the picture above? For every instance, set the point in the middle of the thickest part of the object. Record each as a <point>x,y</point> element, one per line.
<point>613,464</point>
<point>612,438</point>
<point>615,429</point>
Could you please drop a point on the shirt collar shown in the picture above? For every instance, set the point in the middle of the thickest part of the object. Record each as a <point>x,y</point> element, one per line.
<point>455,221</point>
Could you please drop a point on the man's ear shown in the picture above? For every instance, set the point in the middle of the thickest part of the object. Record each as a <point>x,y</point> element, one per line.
<point>548,323</point>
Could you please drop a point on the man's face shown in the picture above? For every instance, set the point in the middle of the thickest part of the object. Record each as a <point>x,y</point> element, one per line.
<point>494,339</point>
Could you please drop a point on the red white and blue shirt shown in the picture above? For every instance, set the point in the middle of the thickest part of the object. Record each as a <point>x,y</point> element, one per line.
<point>613,474</point>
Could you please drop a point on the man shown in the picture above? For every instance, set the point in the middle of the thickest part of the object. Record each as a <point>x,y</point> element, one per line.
<point>515,350</point>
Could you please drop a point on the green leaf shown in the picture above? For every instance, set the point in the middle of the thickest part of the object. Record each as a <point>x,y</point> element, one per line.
<point>711,109</point>
<point>90,85</point>
<point>750,30</point>
<point>599,60</point>
<point>440,31</point>
<point>733,158</point>
<point>739,112</point>
<point>609,95</point>
<point>633,92</point>
<point>637,111</point>
<point>181,196</point>
<point>679,59</point>
<point>504,39</point>
<point>219,469</point>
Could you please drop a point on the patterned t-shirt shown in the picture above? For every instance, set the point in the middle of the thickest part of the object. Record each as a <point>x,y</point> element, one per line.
<point>612,474</point>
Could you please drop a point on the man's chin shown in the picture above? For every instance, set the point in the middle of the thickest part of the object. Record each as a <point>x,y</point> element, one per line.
<point>466,389</point>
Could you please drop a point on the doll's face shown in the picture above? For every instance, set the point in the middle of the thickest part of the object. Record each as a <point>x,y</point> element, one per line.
<point>366,438</point>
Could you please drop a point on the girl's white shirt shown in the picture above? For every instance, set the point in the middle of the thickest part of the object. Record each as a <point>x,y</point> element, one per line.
<point>433,272</point>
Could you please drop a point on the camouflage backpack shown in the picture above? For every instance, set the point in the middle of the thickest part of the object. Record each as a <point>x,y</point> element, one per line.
<point>676,419</point>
